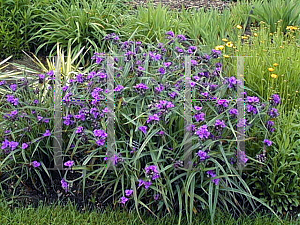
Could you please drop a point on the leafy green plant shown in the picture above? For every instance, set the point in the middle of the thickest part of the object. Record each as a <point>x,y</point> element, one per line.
<point>276,178</point>
<point>271,12</point>
<point>150,114</point>
<point>82,23</point>
<point>150,23</point>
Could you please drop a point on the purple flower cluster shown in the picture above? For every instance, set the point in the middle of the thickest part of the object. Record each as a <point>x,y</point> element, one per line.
<point>213,174</point>
<point>203,132</point>
<point>203,155</point>
<point>153,172</point>
<point>100,136</point>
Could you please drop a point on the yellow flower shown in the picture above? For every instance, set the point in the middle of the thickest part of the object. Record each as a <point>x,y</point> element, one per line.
<point>229,44</point>
<point>275,64</point>
<point>226,56</point>
<point>219,47</point>
<point>225,39</point>
<point>255,34</point>
<point>273,75</point>
<point>239,27</point>
<point>271,69</point>
<point>244,37</point>
<point>292,28</point>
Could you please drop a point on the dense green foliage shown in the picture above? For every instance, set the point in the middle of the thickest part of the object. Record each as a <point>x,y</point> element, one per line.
<point>272,47</point>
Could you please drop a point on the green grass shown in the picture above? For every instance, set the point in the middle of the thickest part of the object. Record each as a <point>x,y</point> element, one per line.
<point>57,214</point>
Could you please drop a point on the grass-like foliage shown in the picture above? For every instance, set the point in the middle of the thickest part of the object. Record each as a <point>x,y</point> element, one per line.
<point>83,23</point>
<point>150,108</point>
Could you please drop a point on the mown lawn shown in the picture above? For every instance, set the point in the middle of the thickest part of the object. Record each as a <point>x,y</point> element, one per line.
<point>70,215</point>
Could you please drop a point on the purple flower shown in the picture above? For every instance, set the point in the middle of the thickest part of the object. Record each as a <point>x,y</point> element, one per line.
<point>141,86</point>
<point>128,193</point>
<point>203,155</point>
<point>199,117</point>
<point>180,50</point>
<point>80,78</point>
<point>64,185</point>
<point>276,100</point>
<point>13,145</point>
<point>273,112</point>
<point>79,130</point>
<point>35,164</point>
<point>119,88</point>
<point>251,108</point>
<point>156,197</point>
<point>220,124</point>
<point>198,108</point>
<point>194,62</point>
<point>69,163</point>
<point>123,200</point>
<point>162,70</point>
<point>153,172</point>
<point>50,73</point>
<point>242,123</point>
<point>100,133</point>
<point>242,157</point>
<point>161,133</point>
<point>192,49</point>
<point>100,142</point>
<point>2,82</point>
<point>203,132</point>
<point>13,87</point>
<point>173,94</point>
<point>270,125</point>
<point>215,53</point>
<point>170,33</point>
<point>232,82</point>
<point>216,181</point>
<point>252,99</point>
<point>146,184</point>
<point>211,173</point>
<point>154,117</point>
<point>234,112</point>
<point>5,144</point>
<point>167,64</point>
<point>47,133</point>
<point>268,142</point>
<point>160,88</point>
<point>11,99</point>
<point>143,129</point>
<point>25,145</point>
<point>181,37</point>
<point>205,94</point>
<point>223,102</point>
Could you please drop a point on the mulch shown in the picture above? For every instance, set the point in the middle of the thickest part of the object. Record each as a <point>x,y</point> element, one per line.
<point>187,4</point>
